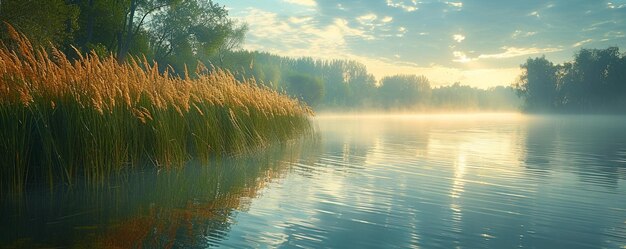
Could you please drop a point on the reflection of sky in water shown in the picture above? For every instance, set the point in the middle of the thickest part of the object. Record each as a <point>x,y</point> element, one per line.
<point>449,181</point>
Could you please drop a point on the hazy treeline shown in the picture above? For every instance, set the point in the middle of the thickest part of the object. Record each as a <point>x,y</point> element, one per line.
<point>594,82</point>
<point>347,85</point>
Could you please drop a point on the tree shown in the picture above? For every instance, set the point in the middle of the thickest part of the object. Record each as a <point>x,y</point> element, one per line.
<point>538,85</point>
<point>592,81</point>
<point>456,97</point>
<point>404,91</point>
<point>361,84</point>
<point>43,22</point>
<point>305,87</point>
<point>233,40</point>
<point>191,30</point>
<point>134,9</point>
<point>595,81</point>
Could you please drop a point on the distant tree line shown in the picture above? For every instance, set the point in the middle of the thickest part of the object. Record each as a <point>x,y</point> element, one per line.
<point>347,85</point>
<point>594,82</point>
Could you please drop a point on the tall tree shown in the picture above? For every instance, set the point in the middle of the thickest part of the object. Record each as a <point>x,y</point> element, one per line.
<point>537,84</point>
<point>190,30</point>
<point>136,12</point>
<point>233,40</point>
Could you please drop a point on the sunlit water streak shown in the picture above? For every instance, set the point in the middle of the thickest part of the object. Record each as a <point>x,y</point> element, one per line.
<point>380,181</point>
<point>449,181</point>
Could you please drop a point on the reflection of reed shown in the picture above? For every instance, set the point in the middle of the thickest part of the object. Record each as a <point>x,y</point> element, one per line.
<point>162,227</point>
<point>182,207</point>
<point>196,222</point>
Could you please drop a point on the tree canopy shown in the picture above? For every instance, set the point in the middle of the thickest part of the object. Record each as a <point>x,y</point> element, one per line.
<point>174,33</point>
<point>594,82</point>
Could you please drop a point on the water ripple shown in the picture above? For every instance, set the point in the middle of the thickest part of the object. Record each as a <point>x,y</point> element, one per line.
<point>431,183</point>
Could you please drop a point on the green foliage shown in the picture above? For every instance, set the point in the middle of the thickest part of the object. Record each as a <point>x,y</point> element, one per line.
<point>50,21</point>
<point>174,33</point>
<point>538,84</point>
<point>466,98</point>
<point>305,87</point>
<point>191,30</point>
<point>594,82</point>
<point>404,91</point>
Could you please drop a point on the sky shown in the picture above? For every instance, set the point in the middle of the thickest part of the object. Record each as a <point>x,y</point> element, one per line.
<point>475,42</point>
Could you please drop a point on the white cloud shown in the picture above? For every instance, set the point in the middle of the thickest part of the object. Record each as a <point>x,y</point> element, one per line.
<point>299,20</point>
<point>310,3</point>
<point>376,25</point>
<point>583,42</point>
<point>520,34</point>
<point>367,18</point>
<point>458,37</point>
<point>455,4</point>
<point>300,36</point>
<point>614,34</point>
<point>611,5</point>
<point>387,19</point>
<point>408,7</point>
<point>401,31</point>
<point>461,57</point>
<point>511,52</point>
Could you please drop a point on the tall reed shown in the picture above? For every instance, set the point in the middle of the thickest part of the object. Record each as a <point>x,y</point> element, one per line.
<point>62,120</point>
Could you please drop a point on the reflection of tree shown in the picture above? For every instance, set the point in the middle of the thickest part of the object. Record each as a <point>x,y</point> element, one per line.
<point>599,151</point>
<point>588,147</point>
<point>181,208</point>
<point>540,144</point>
<point>594,147</point>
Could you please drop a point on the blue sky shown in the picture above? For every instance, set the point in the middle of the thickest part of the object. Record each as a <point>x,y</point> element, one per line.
<point>475,42</point>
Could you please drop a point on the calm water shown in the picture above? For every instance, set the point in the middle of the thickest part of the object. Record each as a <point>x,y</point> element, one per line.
<point>432,181</point>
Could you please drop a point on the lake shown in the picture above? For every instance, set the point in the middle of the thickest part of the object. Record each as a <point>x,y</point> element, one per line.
<point>363,181</point>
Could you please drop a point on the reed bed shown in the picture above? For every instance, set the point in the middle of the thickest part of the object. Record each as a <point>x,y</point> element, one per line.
<point>63,121</point>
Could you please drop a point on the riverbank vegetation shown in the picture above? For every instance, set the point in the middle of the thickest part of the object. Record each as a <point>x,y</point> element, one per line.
<point>62,120</point>
<point>594,82</point>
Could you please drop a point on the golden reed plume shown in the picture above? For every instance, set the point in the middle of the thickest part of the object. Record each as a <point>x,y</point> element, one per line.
<point>62,118</point>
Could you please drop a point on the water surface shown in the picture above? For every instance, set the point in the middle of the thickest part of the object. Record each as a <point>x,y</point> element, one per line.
<point>394,181</point>
<point>449,181</point>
